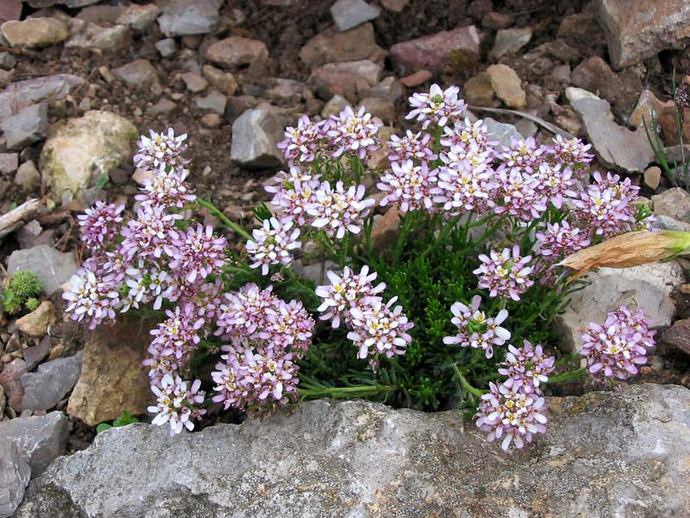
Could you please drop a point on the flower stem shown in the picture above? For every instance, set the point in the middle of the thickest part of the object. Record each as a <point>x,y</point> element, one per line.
<point>359,391</point>
<point>568,376</point>
<point>465,384</point>
<point>224,219</point>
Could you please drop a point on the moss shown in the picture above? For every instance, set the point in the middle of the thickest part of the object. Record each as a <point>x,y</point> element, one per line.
<point>22,292</point>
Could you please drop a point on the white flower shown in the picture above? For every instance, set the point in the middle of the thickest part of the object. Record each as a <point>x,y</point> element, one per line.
<point>475,329</point>
<point>338,210</point>
<point>273,244</point>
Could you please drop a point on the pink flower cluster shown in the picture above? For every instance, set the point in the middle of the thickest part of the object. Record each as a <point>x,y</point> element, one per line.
<point>475,329</point>
<point>616,348</point>
<point>376,328</point>
<point>505,273</point>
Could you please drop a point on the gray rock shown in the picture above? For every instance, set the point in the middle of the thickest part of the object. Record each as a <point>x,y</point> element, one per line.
<point>15,473</point>
<point>334,106</point>
<point>41,438</point>
<point>214,101</point>
<point>7,60</point>
<point>640,29</point>
<point>25,93</point>
<point>166,47</point>
<point>622,453</point>
<point>255,135</point>
<point>28,177</point>
<point>34,32</point>
<point>501,133</point>
<point>66,3</point>
<point>95,37</point>
<point>348,79</point>
<point>45,388</point>
<point>236,51</point>
<point>181,17</point>
<point>674,203</point>
<point>139,74</point>
<point>52,267</point>
<point>8,162</point>
<point>351,13</point>
<point>331,46</point>
<point>648,287</point>
<point>26,127</point>
<point>616,146</point>
<point>139,17</point>
<point>510,41</point>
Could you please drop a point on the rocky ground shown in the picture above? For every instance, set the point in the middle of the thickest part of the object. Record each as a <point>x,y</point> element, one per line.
<point>80,79</point>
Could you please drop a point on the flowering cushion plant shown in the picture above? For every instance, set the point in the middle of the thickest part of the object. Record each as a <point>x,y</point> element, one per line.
<point>456,311</point>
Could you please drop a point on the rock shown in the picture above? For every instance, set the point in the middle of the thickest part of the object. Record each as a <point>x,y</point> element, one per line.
<point>678,336</point>
<point>255,135</point>
<point>595,75</point>
<point>100,14</point>
<point>224,82</point>
<point>286,92</point>
<point>29,125</point>
<point>84,149</point>
<point>34,32</point>
<point>385,229</point>
<point>139,17</point>
<point>214,101</point>
<point>28,177</point>
<point>497,21</point>
<point>345,79</point>
<point>479,90</point>
<point>331,46</point>
<point>416,79</point>
<point>15,473</point>
<point>616,146</point>
<point>431,52</point>
<point>639,29</point>
<point>357,458</point>
<point>10,10</point>
<point>673,202</point>
<point>652,177</point>
<point>380,107</point>
<point>507,86</point>
<point>348,14</point>
<point>37,353</point>
<point>41,438</point>
<point>501,133</point>
<point>395,6</point>
<point>2,401</point>
<point>181,17</point>
<point>50,383</point>
<point>166,48</point>
<point>37,322</point>
<point>389,88</point>
<point>139,74</point>
<point>8,162</point>
<point>649,108</point>
<point>237,51</point>
<point>67,3</point>
<point>112,378</point>
<point>647,287</point>
<point>510,41</point>
<point>95,37</point>
<point>194,82</point>
<point>52,267</point>
<point>163,106</point>
<point>25,93</point>
<point>334,106</point>
<point>211,120</point>
<point>10,379</point>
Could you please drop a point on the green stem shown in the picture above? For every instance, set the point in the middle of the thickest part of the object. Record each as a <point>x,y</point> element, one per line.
<point>465,384</point>
<point>568,376</point>
<point>359,391</point>
<point>224,219</point>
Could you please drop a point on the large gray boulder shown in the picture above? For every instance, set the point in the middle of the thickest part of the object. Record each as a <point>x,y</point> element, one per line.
<point>622,453</point>
<point>255,137</point>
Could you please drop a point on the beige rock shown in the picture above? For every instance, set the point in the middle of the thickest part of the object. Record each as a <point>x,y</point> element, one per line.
<point>35,32</point>
<point>112,377</point>
<point>332,46</point>
<point>194,82</point>
<point>652,177</point>
<point>37,322</point>
<point>507,86</point>
<point>237,51</point>
<point>479,90</point>
<point>224,82</point>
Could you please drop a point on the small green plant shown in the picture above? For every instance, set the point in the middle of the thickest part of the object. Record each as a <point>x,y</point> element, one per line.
<point>124,419</point>
<point>21,292</point>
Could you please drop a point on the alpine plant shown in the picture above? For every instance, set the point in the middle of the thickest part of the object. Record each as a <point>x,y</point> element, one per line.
<point>450,306</point>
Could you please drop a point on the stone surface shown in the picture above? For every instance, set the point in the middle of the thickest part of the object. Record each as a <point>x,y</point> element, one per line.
<point>50,383</point>
<point>10,10</point>
<point>166,47</point>
<point>8,162</point>
<point>25,93</point>
<point>95,37</point>
<point>29,125</point>
<point>648,287</point>
<point>507,86</point>
<point>82,150</point>
<point>331,46</point>
<point>616,146</point>
<point>52,267</point>
<point>479,90</point>
<point>255,135</point>
<point>41,438</point>
<point>15,473</point>
<point>678,336</point>
<point>139,74</point>
<point>222,81</point>
<point>348,14</point>
<point>674,202</point>
<point>28,177</point>
<point>236,51</point>
<point>638,29</point>
<point>395,6</point>
<point>34,32</point>
<point>112,377</point>
<point>431,52</point>
<point>417,78</point>
<point>622,453</point>
<point>652,177</point>
<point>213,101</point>
<point>648,108</point>
<point>194,82</point>
<point>139,17</point>
<point>379,107</point>
<point>37,322</point>
<point>10,379</point>
<point>181,17</point>
<point>346,79</point>
<point>510,41</point>
<point>501,132</point>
